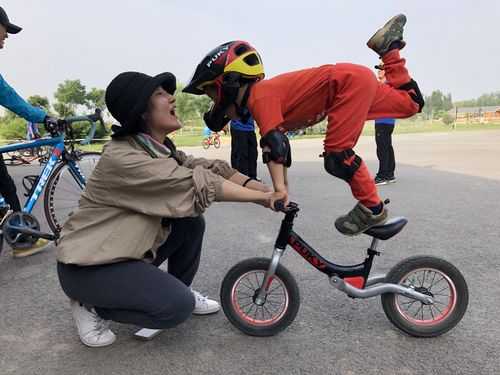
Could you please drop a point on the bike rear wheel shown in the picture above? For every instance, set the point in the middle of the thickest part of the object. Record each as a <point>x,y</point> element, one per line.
<point>205,143</point>
<point>436,278</point>
<point>63,191</point>
<point>239,289</point>
<point>217,142</point>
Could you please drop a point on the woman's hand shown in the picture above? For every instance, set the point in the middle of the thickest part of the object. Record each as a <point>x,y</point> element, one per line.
<point>270,198</point>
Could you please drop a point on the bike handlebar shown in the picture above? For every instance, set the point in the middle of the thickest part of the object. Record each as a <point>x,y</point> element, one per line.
<point>92,118</point>
<point>280,206</point>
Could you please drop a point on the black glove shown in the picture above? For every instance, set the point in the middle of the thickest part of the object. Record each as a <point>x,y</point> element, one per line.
<point>51,124</point>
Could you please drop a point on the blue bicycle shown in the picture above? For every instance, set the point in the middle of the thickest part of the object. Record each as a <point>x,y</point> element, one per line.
<point>62,177</point>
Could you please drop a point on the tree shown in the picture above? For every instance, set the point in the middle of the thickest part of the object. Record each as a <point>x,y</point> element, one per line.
<point>186,107</point>
<point>436,104</point>
<point>490,99</point>
<point>40,101</point>
<point>69,95</point>
<point>447,119</point>
<point>95,99</point>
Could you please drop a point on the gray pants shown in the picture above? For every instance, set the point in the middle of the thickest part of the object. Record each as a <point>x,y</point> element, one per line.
<point>139,293</point>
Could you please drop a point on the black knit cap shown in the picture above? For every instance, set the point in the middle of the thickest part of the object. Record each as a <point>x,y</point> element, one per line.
<point>128,94</point>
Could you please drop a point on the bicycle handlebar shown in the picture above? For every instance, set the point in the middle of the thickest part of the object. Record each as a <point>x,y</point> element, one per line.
<point>280,206</point>
<point>92,118</point>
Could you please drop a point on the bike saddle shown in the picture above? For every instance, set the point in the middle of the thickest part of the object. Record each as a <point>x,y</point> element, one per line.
<point>387,230</point>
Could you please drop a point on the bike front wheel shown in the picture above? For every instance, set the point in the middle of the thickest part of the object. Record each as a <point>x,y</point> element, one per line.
<point>240,288</point>
<point>63,191</point>
<point>434,277</point>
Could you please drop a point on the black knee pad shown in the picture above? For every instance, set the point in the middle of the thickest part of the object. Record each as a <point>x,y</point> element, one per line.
<point>336,166</point>
<point>414,92</point>
<point>279,148</point>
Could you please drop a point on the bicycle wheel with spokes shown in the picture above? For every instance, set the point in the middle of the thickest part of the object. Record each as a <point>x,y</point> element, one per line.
<point>240,288</point>
<point>434,277</point>
<point>63,191</point>
<point>217,142</point>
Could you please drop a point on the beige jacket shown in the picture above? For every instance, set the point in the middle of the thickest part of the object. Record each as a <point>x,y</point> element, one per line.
<point>127,196</point>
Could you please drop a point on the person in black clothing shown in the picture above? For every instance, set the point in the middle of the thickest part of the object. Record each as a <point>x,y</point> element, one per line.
<point>383,137</point>
<point>244,147</point>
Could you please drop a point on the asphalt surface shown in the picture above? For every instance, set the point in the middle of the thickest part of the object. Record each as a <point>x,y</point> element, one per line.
<point>448,187</point>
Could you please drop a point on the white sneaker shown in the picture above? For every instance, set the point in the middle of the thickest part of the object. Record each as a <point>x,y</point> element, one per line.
<point>93,330</point>
<point>204,305</point>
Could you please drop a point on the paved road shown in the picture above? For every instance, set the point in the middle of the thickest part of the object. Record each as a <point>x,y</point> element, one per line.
<point>448,186</point>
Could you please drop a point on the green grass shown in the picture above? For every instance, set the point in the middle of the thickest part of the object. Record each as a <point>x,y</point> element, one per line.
<point>407,127</point>
<point>402,127</point>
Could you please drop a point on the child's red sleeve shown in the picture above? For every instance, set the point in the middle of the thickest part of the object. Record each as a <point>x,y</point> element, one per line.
<point>267,113</point>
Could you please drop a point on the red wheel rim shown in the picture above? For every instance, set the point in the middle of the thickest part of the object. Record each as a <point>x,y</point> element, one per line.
<point>247,310</point>
<point>439,286</point>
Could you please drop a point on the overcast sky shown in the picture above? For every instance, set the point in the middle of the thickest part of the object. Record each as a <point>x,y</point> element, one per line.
<point>452,45</point>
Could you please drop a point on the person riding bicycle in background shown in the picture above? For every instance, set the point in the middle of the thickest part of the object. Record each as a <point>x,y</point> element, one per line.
<point>32,131</point>
<point>142,205</point>
<point>12,101</point>
<point>233,76</point>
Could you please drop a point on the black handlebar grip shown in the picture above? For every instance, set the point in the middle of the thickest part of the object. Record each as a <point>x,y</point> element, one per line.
<point>279,205</point>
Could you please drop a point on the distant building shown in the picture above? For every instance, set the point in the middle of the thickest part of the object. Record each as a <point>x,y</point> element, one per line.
<point>476,114</point>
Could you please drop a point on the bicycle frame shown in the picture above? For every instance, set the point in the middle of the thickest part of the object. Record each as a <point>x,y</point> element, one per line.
<point>58,153</point>
<point>351,279</point>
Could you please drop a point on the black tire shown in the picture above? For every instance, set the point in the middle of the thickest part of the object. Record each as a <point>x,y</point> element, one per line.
<point>55,215</point>
<point>242,320</point>
<point>453,310</point>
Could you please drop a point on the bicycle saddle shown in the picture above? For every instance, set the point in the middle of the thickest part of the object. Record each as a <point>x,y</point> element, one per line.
<point>387,230</point>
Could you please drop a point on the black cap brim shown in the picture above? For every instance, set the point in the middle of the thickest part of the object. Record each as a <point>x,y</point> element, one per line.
<point>13,29</point>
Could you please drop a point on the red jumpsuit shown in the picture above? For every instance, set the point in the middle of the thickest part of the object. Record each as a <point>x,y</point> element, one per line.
<point>348,94</point>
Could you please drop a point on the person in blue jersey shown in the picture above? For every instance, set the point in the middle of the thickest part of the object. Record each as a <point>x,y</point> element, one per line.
<point>244,147</point>
<point>383,137</point>
<point>12,101</point>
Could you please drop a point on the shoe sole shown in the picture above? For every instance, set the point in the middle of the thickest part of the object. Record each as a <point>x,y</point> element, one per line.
<point>97,345</point>
<point>381,183</point>
<point>393,30</point>
<point>207,312</point>
<point>364,230</point>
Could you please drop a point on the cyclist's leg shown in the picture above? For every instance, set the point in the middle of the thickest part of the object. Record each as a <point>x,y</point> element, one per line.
<point>8,187</point>
<point>400,96</point>
<point>356,87</point>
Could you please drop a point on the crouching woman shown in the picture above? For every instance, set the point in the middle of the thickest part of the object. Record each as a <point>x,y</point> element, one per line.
<point>142,205</point>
